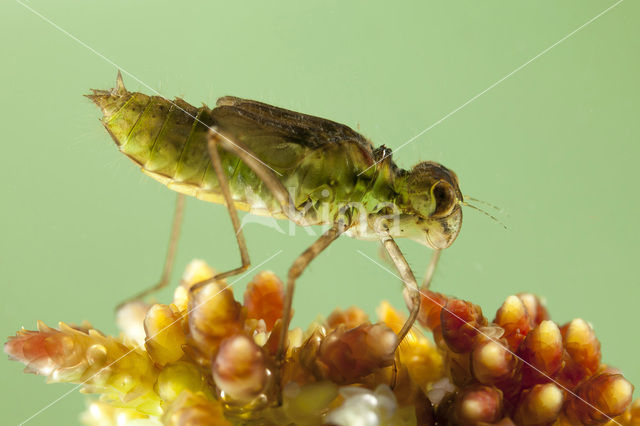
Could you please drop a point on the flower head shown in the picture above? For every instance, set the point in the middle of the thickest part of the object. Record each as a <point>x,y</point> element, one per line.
<point>207,359</point>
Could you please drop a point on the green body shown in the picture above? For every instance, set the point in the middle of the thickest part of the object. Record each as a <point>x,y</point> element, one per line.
<point>325,165</point>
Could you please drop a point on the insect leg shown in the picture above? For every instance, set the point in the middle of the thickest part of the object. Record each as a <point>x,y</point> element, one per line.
<point>296,270</point>
<point>283,197</point>
<point>171,253</point>
<point>264,173</point>
<point>215,138</point>
<point>407,276</point>
<point>233,214</point>
<point>431,269</point>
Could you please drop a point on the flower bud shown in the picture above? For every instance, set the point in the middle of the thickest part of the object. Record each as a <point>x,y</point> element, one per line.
<point>476,404</point>
<point>213,315</point>
<point>583,351</point>
<point>364,407</point>
<point>431,305</point>
<point>130,320</point>
<point>541,352</point>
<point>535,308</point>
<point>306,404</point>
<point>178,377</point>
<point>239,369</point>
<point>539,405</point>
<point>165,337</point>
<point>351,318</point>
<point>512,316</point>
<point>461,321</point>
<point>601,397</point>
<point>197,271</point>
<point>194,409</point>
<point>345,355</point>
<point>492,362</point>
<point>264,298</point>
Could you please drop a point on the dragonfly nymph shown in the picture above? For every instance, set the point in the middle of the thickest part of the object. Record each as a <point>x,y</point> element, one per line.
<point>271,161</point>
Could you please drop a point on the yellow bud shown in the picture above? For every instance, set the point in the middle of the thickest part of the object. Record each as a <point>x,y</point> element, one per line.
<point>165,336</point>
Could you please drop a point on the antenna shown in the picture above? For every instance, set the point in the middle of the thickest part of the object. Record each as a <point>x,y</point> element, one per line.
<point>464,203</point>
<point>493,206</point>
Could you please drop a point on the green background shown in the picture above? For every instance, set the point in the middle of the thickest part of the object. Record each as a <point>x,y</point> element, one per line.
<point>556,146</point>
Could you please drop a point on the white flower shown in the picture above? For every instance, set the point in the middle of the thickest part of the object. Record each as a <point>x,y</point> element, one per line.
<point>363,407</point>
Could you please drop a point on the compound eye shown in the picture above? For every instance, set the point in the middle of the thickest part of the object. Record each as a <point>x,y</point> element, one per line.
<point>445,198</point>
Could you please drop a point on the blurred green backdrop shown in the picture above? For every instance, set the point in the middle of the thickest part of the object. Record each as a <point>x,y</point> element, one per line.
<point>555,145</point>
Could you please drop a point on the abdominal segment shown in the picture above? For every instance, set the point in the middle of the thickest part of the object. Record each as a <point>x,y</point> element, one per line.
<point>168,140</point>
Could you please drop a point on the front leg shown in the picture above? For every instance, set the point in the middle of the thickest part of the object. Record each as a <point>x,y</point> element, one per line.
<point>407,277</point>
<point>431,269</point>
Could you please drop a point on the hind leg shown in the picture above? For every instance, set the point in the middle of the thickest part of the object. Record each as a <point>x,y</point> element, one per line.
<point>267,175</point>
<point>171,254</point>
<point>233,214</point>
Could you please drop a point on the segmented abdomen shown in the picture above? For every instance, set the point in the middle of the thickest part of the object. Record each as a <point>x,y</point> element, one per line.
<point>168,140</point>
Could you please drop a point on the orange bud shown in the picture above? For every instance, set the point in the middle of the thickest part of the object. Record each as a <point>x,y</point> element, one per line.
<point>542,352</point>
<point>431,304</point>
<point>345,355</point>
<point>461,321</point>
<point>603,396</point>
<point>264,298</point>
<point>583,347</point>
<point>512,316</point>
<point>351,318</point>
<point>535,308</point>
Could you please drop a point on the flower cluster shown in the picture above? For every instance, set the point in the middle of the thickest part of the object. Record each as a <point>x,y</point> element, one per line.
<point>522,368</point>
<point>206,359</point>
